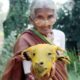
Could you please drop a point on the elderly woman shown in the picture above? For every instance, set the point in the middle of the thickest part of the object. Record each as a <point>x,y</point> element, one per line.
<point>42,17</point>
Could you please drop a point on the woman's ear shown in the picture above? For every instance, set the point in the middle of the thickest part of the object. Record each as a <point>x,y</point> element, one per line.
<point>31,20</point>
<point>55,19</point>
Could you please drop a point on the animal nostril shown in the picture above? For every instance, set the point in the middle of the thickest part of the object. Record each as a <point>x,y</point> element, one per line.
<point>41,63</point>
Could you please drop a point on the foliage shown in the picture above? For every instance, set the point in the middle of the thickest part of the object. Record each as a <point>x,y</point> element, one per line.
<point>7,50</point>
<point>74,66</point>
<point>16,22</point>
<point>68,21</point>
<point>17,17</point>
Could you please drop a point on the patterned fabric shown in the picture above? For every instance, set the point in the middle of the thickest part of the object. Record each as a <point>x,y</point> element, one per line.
<point>60,73</point>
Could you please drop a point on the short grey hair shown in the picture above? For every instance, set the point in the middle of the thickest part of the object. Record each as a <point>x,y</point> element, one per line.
<point>42,4</point>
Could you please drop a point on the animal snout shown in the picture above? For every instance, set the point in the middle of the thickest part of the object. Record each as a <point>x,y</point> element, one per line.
<point>41,63</point>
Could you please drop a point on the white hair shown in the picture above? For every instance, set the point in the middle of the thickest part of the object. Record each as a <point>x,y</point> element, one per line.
<point>36,4</point>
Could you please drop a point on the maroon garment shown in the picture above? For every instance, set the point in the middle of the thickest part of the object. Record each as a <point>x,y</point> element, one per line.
<point>14,70</point>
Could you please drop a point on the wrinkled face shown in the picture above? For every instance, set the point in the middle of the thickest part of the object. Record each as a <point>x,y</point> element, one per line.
<point>43,56</point>
<point>44,19</point>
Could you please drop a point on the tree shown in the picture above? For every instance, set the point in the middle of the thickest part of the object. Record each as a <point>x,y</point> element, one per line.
<point>17,17</point>
<point>16,22</point>
<point>69,21</point>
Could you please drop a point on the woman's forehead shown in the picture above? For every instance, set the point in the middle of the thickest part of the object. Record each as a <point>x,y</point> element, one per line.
<point>44,10</point>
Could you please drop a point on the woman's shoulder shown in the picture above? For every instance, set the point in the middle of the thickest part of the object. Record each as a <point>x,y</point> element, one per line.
<point>58,32</point>
<point>24,33</point>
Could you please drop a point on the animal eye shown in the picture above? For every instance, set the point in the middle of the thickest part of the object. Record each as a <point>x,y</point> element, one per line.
<point>33,54</point>
<point>49,53</point>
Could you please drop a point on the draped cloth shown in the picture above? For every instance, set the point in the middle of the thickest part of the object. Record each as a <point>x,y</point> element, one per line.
<point>14,69</point>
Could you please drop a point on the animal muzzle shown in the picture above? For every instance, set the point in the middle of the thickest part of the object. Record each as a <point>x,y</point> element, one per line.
<point>40,69</point>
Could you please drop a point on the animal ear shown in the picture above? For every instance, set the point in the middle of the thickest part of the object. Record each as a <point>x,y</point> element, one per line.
<point>63,55</point>
<point>60,49</point>
<point>25,54</point>
<point>56,48</point>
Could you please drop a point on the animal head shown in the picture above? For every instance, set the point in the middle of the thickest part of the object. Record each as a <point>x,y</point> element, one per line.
<point>42,56</point>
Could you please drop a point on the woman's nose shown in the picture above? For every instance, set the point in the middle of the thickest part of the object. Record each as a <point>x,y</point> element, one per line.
<point>46,22</point>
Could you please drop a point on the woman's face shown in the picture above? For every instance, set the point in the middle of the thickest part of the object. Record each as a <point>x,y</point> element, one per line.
<point>43,21</point>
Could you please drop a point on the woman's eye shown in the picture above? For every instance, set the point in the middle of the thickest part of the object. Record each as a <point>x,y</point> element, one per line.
<point>50,16</point>
<point>49,54</point>
<point>33,54</point>
<point>39,17</point>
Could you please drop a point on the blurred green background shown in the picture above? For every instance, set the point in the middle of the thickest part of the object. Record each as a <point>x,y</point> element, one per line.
<point>68,21</point>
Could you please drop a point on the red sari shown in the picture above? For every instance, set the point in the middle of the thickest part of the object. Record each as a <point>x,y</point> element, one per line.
<point>14,70</point>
